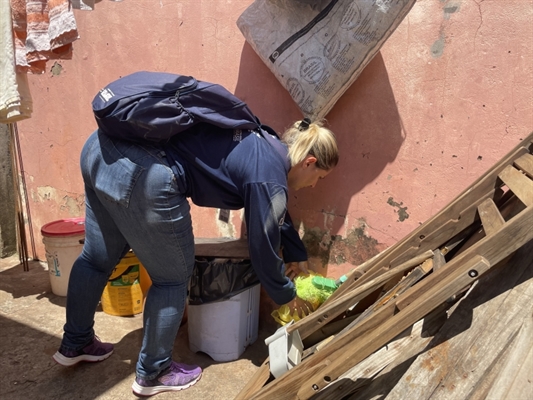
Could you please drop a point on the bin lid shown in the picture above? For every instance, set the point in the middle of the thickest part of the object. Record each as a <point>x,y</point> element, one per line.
<point>64,227</point>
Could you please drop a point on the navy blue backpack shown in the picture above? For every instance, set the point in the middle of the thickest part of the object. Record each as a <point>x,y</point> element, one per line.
<point>154,106</point>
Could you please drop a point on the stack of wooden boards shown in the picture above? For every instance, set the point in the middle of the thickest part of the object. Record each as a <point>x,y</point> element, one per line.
<point>414,292</point>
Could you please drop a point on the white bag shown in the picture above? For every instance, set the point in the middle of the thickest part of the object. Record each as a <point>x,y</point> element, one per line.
<point>318,48</point>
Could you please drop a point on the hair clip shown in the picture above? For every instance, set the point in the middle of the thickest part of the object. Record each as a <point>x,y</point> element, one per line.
<point>304,125</point>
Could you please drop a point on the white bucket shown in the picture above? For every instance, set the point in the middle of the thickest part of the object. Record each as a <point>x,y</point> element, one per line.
<point>63,241</point>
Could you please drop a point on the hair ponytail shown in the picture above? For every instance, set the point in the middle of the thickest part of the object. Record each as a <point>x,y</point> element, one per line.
<point>305,138</point>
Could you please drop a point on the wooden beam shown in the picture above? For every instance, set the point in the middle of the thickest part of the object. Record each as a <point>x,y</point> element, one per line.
<point>407,282</point>
<point>491,219</point>
<point>356,351</point>
<point>221,247</point>
<point>257,381</point>
<point>519,184</point>
<point>525,163</point>
<point>472,347</point>
<point>326,313</point>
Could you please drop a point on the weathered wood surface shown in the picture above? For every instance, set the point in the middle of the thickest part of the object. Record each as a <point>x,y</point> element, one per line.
<point>491,219</point>
<point>304,380</point>
<point>329,311</point>
<point>358,350</point>
<point>515,378</point>
<point>387,360</point>
<point>519,184</point>
<point>221,247</point>
<point>525,163</point>
<point>413,277</point>
<point>258,380</point>
<point>462,361</point>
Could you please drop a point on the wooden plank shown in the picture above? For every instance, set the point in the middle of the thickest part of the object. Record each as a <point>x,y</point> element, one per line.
<point>508,210</point>
<point>331,329</point>
<point>509,378</point>
<point>466,348</point>
<point>525,163</point>
<point>522,385</point>
<point>221,247</point>
<point>438,260</point>
<point>516,232</point>
<point>384,382</point>
<point>353,352</point>
<point>416,260</point>
<point>491,219</point>
<point>519,184</point>
<point>408,342</point>
<point>413,277</point>
<point>257,381</point>
<point>326,312</point>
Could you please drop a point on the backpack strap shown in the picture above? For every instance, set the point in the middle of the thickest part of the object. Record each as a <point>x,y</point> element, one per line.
<point>273,139</point>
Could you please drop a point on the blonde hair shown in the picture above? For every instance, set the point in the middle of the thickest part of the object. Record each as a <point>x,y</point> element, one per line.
<point>305,138</point>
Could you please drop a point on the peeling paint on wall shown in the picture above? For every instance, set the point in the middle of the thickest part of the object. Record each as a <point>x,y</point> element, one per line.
<point>44,193</point>
<point>74,205</point>
<point>56,69</point>
<point>402,211</point>
<point>355,248</point>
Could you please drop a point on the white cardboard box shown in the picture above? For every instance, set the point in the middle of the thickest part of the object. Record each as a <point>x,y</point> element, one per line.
<point>223,329</point>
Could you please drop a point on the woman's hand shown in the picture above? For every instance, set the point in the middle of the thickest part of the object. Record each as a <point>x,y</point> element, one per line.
<point>293,269</point>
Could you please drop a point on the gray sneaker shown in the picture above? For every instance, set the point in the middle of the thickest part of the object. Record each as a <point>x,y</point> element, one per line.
<point>176,377</point>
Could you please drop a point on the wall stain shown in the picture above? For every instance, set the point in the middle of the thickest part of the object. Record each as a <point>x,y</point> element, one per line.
<point>355,248</point>
<point>450,8</point>
<point>56,69</point>
<point>402,211</point>
<point>438,47</point>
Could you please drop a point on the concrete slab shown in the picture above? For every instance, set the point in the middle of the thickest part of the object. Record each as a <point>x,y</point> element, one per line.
<point>31,320</point>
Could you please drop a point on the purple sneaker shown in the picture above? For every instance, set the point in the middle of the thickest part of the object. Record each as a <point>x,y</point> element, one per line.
<point>176,377</point>
<point>94,351</point>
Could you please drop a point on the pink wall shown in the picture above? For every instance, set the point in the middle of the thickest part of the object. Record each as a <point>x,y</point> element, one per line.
<point>448,95</point>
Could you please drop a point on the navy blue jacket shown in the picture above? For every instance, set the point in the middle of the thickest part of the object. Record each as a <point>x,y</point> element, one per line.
<point>234,169</point>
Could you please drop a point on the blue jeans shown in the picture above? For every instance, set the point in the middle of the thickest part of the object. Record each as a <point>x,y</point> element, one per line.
<point>132,201</point>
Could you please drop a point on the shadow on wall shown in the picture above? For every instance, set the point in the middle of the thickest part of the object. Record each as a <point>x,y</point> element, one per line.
<point>369,131</point>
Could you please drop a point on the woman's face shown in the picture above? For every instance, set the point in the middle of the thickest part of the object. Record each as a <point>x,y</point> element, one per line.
<point>306,174</point>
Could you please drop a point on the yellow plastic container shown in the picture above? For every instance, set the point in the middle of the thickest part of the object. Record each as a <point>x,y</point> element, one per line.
<point>124,294</point>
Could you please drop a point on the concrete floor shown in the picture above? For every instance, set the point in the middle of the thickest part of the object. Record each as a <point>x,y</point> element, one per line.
<point>31,321</point>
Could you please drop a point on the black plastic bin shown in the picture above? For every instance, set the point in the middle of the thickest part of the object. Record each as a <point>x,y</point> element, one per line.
<point>217,279</point>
